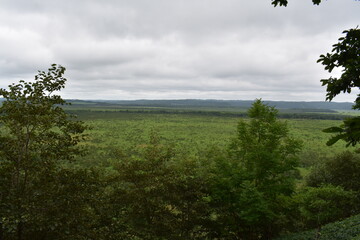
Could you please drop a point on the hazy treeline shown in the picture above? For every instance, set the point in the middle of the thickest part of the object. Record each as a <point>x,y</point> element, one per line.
<point>193,103</point>
<point>294,114</point>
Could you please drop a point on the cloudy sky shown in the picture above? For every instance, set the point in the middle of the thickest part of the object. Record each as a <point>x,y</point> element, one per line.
<point>175,49</point>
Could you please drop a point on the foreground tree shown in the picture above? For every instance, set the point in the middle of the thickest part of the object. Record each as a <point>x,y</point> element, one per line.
<point>264,149</point>
<point>341,170</point>
<point>35,125</point>
<point>37,192</point>
<point>332,190</point>
<point>325,204</point>
<point>155,195</point>
<point>285,2</point>
<point>252,183</point>
<point>345,56</point>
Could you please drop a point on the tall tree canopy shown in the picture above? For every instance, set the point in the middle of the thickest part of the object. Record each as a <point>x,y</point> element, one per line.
<point>39,198</point>
<point>251,183</point>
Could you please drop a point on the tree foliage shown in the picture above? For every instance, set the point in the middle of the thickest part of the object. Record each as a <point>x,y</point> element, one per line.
<point>264,150</point>
<point>341,170</point>
<point>346,56</point>
<point>34,124</point>
<point>153,195</point>
<point>325,204</point>
<point>251,183</point>
<point>285,2</point>
<point>37,139</point>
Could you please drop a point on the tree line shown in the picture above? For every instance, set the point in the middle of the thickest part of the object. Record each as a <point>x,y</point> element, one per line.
<point>98,113</point>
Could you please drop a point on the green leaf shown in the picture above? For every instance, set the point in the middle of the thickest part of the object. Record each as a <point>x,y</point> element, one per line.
<point>333,130</point>
<point>334,139</point>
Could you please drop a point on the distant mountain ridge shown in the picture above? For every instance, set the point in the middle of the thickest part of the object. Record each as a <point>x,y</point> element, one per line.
<point>183,103</point>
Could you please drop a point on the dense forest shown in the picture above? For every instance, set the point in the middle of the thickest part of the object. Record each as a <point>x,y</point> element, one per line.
<point>58,183</point>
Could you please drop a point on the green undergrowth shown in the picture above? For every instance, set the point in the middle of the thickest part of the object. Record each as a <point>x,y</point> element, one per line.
<point>195,134</point>
<point>348,229</point>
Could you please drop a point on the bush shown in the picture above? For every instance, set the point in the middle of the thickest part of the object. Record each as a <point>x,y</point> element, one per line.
<point>325,204</point>
<point>348,229</point>
<point>342,170</point>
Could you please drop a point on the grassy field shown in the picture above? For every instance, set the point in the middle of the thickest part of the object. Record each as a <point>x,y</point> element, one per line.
<point>194,133</point>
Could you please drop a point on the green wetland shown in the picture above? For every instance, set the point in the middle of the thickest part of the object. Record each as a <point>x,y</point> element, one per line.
<point>193,133</point>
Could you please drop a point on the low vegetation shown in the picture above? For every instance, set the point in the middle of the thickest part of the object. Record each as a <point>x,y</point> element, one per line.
<point>348,229</point>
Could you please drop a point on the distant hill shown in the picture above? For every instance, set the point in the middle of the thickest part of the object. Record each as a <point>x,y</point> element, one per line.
<point>211,103</point>
<point>220,104</point>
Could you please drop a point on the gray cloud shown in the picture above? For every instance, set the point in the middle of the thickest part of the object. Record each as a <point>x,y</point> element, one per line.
<point>127,49</point>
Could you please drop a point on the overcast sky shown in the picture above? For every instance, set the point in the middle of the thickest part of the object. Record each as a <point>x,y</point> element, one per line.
<point>175,49</point>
